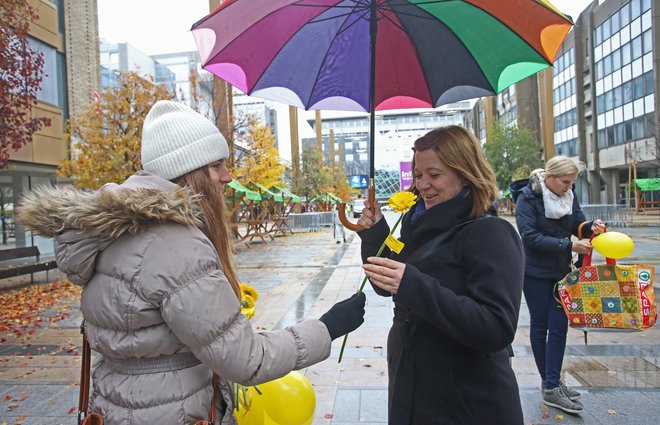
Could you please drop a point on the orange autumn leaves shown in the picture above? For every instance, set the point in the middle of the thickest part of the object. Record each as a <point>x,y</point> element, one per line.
<point>36,306</point>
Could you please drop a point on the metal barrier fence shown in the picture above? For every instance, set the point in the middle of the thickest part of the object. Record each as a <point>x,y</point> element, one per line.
<point>311,221</point>
<point>613,215</point>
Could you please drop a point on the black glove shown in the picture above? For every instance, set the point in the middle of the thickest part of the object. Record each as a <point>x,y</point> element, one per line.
<point>345,316</point>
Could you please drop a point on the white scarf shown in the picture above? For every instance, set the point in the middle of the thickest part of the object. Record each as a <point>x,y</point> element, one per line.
<point>556,206</point>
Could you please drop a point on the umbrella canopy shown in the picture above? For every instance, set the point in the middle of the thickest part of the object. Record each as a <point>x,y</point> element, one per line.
<point>316,54</point>
<point>648,184</point>
<point>368,55</point>
<point>239,188</point>
<point>286,194</point>
<point>329,198</point>
<point>267,193</point>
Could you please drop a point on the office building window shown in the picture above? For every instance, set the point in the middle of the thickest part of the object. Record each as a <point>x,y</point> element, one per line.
<point>48,91</point>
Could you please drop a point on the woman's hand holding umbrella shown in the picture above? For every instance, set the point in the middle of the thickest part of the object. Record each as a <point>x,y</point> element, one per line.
<point>371,215</point>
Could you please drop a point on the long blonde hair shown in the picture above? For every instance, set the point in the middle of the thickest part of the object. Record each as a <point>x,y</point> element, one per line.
<point>215,219</point>
<point>457,148</point>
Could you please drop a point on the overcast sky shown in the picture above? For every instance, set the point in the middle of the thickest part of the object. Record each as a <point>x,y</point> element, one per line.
<point>163,26</point>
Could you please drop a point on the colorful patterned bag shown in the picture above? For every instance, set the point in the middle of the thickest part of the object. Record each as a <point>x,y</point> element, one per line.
<point>609,296</point>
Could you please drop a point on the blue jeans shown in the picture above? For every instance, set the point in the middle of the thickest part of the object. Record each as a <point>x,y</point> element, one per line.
<point>548,328</point>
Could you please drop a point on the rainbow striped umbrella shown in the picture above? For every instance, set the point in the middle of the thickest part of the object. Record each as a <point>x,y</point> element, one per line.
<point>368,55</point>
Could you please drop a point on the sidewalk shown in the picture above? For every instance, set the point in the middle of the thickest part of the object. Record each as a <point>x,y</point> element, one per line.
<point>301,276</point>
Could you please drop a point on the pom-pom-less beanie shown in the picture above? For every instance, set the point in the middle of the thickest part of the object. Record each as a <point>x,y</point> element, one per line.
<point>177,140</point>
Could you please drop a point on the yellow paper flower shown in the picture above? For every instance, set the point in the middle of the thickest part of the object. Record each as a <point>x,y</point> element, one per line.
<point>247,290</point>
<point>402,201</point>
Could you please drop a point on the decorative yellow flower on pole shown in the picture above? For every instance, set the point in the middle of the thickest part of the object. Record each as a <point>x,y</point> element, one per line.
<point>400,202</point>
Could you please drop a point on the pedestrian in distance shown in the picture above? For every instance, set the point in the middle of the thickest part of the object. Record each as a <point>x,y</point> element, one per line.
<point>456,287</point>
<point>547,215</point>
<point>160,296</point>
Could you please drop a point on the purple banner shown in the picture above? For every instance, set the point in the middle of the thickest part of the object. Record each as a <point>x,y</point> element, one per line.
<point>405,174</point>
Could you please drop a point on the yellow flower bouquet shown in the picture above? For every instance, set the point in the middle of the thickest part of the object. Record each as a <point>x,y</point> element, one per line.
<point>400,202</point>
<point>253,406</point>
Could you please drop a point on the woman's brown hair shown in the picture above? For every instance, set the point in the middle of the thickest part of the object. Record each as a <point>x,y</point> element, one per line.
<point>215,219</point>
<point>457,148</point>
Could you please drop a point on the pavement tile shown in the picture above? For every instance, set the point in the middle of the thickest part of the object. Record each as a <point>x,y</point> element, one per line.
<point>347,406</point>
<point>373,406</point>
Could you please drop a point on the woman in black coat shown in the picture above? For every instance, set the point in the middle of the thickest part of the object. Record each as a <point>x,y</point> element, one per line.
<point>456,287</point>
<point>547,215</point>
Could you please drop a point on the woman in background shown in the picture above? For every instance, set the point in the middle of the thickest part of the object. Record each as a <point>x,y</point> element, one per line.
<point>547,215</point>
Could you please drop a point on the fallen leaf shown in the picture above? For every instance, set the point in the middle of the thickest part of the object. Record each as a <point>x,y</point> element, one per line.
<point>559,417</point>
<point>73,409</point>
<point>611,411</point>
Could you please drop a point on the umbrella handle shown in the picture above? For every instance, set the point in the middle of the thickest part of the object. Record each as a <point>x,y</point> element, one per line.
<point>341,210</point>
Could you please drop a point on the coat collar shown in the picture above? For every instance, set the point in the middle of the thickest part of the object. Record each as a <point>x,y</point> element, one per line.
<point>439,218</point>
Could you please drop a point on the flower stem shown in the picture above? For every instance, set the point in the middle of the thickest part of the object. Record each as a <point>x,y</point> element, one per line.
<point>364,281</point>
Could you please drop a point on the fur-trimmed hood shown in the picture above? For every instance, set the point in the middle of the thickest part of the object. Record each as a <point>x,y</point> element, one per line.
<point>530,187</point>
<point>142,200</point>
<point>85,223</point>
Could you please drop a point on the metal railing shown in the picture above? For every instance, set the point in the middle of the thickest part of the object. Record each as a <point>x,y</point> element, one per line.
<point>613,215</point>
<point>311,221</point>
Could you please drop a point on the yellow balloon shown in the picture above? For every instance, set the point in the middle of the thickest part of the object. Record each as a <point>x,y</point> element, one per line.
<point>613,244</point>
<point>289,400</point>
<point>253,412</point>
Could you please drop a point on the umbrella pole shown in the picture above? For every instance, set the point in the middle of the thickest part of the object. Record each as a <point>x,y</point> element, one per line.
<point>371,197</point>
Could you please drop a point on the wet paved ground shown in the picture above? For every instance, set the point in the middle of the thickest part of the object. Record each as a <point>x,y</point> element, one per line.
<point>301,277</point>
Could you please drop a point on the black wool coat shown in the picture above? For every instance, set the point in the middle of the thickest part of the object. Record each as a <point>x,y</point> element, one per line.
<point>456,312</point>
<point>547,241</point>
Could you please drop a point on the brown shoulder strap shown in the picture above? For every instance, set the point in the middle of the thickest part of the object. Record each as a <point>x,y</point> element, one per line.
<point>214,400</point>
<point>84,375</point>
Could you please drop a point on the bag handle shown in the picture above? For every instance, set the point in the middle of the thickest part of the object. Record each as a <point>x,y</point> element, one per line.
<point>586,258</point>
<point>85,376</point>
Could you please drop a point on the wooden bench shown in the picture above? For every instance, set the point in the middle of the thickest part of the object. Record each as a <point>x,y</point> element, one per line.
<point>15,268</point>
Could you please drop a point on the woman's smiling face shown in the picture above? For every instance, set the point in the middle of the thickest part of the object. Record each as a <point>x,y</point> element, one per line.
<point>434,180</point>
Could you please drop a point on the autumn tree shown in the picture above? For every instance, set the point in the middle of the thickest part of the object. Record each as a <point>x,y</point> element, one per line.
<point>106,138</point>
<point>261,162</point>
<point>513,152</point>
<point>338,183</point>
<point>21,74</point>
<point>315,178</point>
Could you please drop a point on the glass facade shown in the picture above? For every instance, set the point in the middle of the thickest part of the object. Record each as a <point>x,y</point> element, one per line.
<point>565,105</point>
<point>623,57</point>
<point>48,92</point>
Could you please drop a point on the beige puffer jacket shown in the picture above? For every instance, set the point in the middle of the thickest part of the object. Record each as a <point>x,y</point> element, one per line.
<point>156,303</point>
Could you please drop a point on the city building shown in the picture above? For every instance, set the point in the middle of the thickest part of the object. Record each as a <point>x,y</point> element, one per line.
<point>178,71</point>
<point>396,131</point>
<point>124,57</point>
<point>67,35</point>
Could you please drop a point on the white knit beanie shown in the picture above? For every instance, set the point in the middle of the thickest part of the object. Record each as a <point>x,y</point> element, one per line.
<point>177,140</point>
